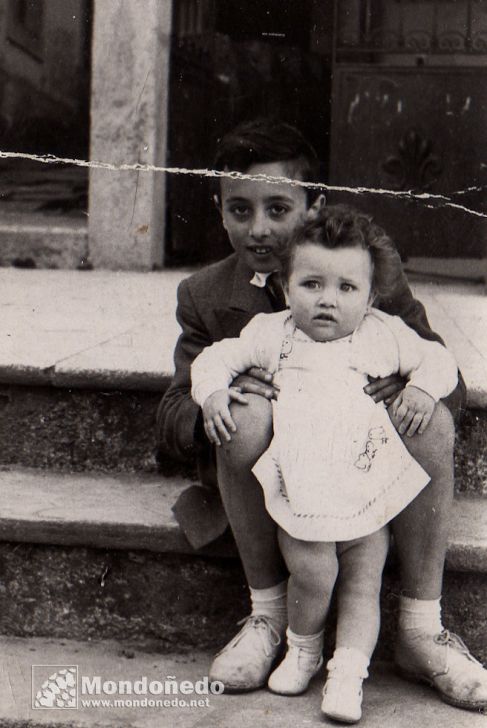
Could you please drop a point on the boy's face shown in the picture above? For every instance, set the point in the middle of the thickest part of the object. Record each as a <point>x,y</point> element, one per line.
<point>259,217</point>
<point>329,290</point>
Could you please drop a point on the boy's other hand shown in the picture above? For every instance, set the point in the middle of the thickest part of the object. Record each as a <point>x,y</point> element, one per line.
<point>385,389</point>
<point>256,381</point>
<point>411,411</point>
<point>217,420</point>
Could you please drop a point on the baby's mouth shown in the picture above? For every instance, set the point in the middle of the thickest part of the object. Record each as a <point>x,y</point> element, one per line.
<point>325,317</point>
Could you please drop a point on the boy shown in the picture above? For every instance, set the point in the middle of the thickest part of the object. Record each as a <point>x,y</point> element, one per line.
<point>216,303</point>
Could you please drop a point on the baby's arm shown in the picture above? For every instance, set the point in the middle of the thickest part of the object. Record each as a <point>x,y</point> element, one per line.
<point>432,374</point>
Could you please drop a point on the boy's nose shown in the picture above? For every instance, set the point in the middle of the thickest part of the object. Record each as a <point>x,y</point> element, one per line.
<point>259,227</point>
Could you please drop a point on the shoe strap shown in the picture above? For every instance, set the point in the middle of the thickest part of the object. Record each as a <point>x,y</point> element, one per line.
<point>256,622</point>
<point>338,670</point>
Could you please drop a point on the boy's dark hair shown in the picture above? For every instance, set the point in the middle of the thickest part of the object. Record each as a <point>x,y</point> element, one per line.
<point>337,226</point>
<point>267,140</point>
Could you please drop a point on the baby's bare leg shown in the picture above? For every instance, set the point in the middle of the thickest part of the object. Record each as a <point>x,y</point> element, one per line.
<point>361,564</point>
<point>313,568</point>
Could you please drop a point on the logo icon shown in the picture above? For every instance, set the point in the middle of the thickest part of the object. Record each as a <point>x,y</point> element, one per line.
<point>55,687</point>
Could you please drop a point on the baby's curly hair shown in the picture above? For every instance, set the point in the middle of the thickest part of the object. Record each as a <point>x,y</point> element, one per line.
<point>337,226</point>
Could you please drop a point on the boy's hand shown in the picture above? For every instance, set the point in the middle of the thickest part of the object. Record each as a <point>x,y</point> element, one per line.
<point>411,411</point>
<point>256,381</point>
<point>385,389</point>
<point>216,414</point>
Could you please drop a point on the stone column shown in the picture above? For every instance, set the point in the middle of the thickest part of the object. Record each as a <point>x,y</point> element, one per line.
<point>129,119</point>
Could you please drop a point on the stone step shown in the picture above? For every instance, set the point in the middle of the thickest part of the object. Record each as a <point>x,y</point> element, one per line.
<point>133,512</point>
<point>43,241</point>
<point>112,667</point>
<point>97,556</point>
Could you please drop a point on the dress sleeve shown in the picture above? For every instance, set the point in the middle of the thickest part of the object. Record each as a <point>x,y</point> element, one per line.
<point>427,364</point>
<point>218,365</point>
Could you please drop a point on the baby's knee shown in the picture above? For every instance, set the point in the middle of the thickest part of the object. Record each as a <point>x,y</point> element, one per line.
<point>362,561</point>
<point>312,565</point>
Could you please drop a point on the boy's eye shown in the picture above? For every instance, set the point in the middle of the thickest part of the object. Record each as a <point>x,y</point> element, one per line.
<point>240,210</point>
<point>311,285</point>
<point>278,210</point>
<point>347,287</point>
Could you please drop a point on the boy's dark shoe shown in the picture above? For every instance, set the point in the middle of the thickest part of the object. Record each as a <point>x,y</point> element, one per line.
<point>245,662</point>
<point>444,662</point>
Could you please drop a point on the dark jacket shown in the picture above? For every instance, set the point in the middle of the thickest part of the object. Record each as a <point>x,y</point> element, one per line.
<point>213,304</point>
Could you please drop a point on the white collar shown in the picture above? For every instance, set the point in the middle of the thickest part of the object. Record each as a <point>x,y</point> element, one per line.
<point>260,279</point>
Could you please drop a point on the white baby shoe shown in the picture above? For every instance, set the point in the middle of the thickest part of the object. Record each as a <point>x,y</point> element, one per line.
<point>342,694</point>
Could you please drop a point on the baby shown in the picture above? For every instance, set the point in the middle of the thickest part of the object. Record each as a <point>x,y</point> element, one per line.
<point>336,471</point>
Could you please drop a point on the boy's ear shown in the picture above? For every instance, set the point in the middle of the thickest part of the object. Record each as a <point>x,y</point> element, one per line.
<point>217,203</point>
<point>315,208</point>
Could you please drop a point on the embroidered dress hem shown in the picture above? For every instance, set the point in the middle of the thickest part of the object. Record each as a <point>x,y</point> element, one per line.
<point>322,526</point>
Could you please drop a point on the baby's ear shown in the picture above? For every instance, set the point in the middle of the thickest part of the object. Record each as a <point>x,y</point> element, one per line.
<point>314,209</point>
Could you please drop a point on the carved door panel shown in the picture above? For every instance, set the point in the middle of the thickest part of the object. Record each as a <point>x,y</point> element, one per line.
<point>421,129</point>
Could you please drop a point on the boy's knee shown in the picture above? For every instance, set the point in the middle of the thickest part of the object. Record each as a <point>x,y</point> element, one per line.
<point>254,431</point>
<point>438,440</point>
<point>443,427</point>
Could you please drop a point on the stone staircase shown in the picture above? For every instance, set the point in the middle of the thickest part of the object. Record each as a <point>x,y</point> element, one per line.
<point>90,550</point>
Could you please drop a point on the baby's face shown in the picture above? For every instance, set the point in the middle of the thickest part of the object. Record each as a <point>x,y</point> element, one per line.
<point>328,290</point>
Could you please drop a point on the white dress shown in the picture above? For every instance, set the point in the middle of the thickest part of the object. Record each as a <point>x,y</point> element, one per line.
<point>336,468</point>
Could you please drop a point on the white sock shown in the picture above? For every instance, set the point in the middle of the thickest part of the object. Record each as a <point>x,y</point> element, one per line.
<point>270,602</point>
<point>349,661</point>
<point>312,644</point>
<point>420,615</point>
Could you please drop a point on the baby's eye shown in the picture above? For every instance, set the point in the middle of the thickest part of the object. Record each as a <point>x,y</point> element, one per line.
<point>277,210</point>
<point>312,285</point>
<point>347,287</point>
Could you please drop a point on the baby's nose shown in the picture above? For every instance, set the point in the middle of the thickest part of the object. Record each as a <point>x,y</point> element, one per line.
<point>328,296</point>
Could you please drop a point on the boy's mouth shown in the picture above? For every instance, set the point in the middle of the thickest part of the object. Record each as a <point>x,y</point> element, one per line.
<point>260,249</point>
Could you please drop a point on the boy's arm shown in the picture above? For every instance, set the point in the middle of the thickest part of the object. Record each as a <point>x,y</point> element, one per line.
<point>401,302</point>
<point>177,415</point>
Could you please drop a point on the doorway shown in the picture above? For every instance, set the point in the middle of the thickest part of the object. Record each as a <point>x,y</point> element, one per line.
<point>233,60</point>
